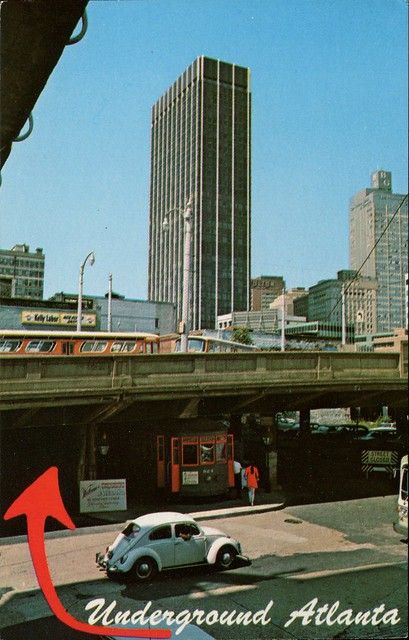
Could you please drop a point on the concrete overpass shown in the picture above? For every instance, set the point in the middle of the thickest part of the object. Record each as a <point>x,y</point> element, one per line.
<point>42,390</point>
<point>33,37</point>
<point>58,410</point>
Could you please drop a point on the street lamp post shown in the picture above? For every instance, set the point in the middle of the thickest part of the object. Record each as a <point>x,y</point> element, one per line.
<point>283,320</point>
<point>91,258</point>
<point>343,317</point>
<point>109,319</point>
<point>187,229</point>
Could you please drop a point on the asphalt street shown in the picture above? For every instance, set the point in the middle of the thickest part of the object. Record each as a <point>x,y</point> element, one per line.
<point>307,560</point>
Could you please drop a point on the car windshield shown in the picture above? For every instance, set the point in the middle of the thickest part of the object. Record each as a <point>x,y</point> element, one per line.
<point>131,529</point>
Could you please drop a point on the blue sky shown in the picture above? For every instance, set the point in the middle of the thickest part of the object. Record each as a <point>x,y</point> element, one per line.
<point>329,98</point>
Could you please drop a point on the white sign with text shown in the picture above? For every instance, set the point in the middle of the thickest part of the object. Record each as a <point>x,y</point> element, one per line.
<point>102,495</point>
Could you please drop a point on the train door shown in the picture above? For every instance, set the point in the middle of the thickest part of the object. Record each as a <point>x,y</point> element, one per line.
<point>175,465</point>
<point>160,462</point>
<point>230,460</point>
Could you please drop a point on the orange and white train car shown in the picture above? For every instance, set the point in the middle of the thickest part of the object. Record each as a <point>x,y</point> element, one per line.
<point>73,343</point>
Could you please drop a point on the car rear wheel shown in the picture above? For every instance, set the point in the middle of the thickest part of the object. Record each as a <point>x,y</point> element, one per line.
<point>144,569</point>
<point>225,557</point>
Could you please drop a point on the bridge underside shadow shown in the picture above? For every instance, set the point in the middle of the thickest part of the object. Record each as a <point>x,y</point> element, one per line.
<point>57,412</point>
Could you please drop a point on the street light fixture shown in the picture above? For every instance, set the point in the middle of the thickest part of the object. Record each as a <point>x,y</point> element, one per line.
<point>268,440</point>
<point>91,258</point>
<point>187,228</point>
<point>103,446</point>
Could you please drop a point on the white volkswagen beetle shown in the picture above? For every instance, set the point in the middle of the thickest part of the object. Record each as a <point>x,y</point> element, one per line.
<point>167,540</point>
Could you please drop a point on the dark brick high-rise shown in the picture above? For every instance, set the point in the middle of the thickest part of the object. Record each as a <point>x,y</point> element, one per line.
<point>201,147</point>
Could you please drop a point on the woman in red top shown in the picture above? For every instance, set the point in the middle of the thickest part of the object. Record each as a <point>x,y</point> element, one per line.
<point>252,477</point>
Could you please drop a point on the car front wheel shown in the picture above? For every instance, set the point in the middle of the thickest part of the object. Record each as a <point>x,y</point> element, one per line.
<point>225,557</point>
<point>144,569</point>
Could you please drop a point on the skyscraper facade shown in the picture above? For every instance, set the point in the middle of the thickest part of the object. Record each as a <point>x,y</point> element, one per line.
<point>22,272</point>
<point>200,150</point>
<point>378,246</point>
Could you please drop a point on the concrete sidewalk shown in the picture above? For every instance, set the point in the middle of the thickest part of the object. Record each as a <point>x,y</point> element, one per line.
<point>203,511</point>
<point>112,520</point>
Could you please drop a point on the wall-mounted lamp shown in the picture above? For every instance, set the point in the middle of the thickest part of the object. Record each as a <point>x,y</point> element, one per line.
<point>268,440</point>
<point>103,446</point>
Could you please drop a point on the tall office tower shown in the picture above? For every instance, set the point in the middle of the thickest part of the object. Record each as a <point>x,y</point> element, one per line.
<point>264,290</point>
<point>378,234</point>
<point>21,272</point>
<point>200,149</point>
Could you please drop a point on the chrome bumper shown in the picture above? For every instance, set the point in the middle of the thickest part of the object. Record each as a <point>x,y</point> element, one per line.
<point>401,529</point>
<point>100,560</point>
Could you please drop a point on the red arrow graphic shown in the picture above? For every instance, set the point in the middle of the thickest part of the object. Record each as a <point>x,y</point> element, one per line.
<point>40,500</point>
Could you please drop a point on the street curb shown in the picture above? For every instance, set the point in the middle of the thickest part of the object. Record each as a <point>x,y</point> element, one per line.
<point>236,511</point>
<point>102,528</point>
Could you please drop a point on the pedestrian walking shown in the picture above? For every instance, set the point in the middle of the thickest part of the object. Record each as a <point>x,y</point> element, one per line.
<point>237,477</point>
<point>252,477</point>
<point>243,477</point>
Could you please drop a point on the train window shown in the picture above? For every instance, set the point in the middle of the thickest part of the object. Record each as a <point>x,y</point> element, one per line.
<point>141,346</point>
<point>148,347</point>
<point>9,346</point>
<point>207,452</point>
<point>161,533</point>
<point>195,344</point>
<point>40,346</point>
<point>93,346</point>
<point>189,453</point>
<point>123,347</point>
<point>221,442</point>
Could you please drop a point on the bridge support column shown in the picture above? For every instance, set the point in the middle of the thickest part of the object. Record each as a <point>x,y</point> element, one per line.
<point>237,431</point>
<point>400,416</point>
<point>305,418</point>
<point>269,435</point>
<point>91,463</point>
<point>81,467</point>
